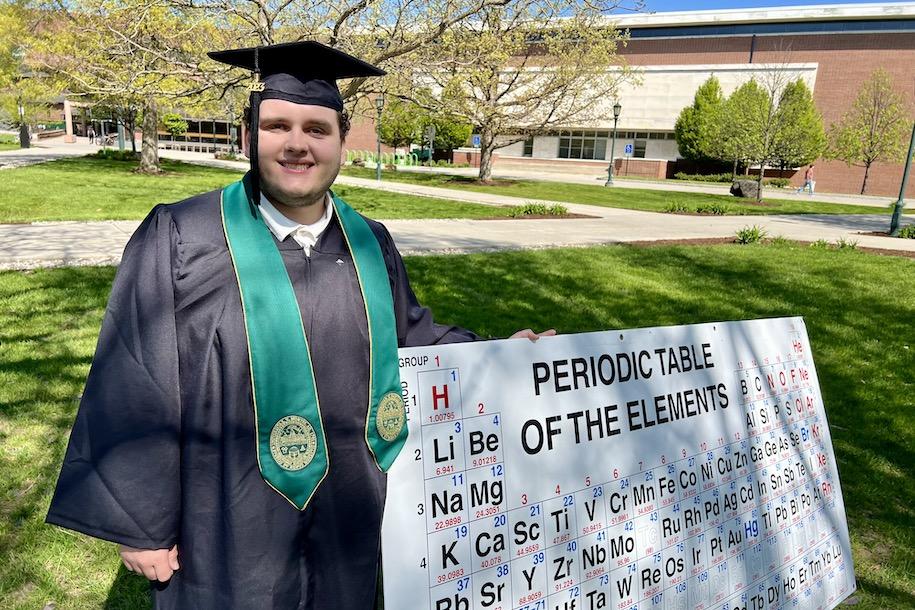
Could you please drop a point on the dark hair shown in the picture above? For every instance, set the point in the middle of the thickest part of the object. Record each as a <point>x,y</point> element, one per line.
<point>343,121</point>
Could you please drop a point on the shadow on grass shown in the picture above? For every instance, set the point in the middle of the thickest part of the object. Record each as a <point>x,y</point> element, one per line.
<point>128,592</point>
<point>858,315</point>
<point>44,362</point>
<point>893,597</point>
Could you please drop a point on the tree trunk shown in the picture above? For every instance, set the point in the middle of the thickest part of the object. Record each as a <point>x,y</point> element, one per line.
<point>149,156</point>
<point>759,179</point>
<point>487,142</point>
<point>734,171</point>
<point>132,125</point>
<point>867,169</point>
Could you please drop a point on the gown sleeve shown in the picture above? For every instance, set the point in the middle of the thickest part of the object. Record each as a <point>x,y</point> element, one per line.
<point>415,326</point>
<point>120,479</point>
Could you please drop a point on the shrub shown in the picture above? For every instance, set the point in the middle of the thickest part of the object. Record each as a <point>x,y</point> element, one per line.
<point>750,235</point>
<point>907,232</point>
<point>845,244</point>
<point>780,240</point>
<point>174,124</point>
<point>777,182</point>
<point>6,138</point>
<point>820,244</point>
<point>726,177</point>
<point>537,209</point>
<point>717,209</point>
<point>228,156</point>
<point>116,155</point>
<point>677,207</point>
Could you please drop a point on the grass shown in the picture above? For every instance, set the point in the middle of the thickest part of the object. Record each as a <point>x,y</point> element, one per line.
<point>858,307</point>
<point>8,141</point>
<point>88,188</point>
<point>633,199</point>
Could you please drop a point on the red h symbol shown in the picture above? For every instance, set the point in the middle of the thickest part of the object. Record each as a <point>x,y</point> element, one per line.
<point>436,395</point>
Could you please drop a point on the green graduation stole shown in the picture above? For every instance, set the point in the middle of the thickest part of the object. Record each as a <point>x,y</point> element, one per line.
<point>291,445</point>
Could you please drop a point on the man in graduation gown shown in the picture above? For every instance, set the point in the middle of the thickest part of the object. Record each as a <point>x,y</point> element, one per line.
<point>243,403</point>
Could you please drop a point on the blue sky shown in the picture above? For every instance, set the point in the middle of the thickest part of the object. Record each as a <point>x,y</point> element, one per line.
<point>663,6</point>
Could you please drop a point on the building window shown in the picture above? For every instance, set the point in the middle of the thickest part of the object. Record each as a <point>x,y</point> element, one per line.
<point>639,149</point>
<point>528,147</point>
<point>582,145</point>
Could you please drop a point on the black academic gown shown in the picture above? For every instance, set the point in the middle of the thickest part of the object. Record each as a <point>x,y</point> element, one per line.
<point>163,448</point>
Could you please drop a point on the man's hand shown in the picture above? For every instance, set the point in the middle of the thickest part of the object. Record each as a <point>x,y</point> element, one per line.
<point>529,334</point>
<point>154,564</point>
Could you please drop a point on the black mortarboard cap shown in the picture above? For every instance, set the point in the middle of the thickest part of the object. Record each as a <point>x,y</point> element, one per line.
<point>300,72</point>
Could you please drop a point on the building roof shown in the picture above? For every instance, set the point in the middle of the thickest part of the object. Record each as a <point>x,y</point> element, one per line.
<point>775,21</point>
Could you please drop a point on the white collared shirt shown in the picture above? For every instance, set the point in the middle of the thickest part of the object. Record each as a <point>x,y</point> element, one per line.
<point>282,226</point>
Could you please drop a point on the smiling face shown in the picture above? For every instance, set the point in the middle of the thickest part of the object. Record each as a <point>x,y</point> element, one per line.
<point>299,153</point>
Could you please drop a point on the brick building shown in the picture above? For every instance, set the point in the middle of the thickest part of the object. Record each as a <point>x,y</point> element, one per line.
<point>834,48</point>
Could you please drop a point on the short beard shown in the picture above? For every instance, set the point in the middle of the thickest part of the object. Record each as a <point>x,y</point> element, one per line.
<point>296,202</point>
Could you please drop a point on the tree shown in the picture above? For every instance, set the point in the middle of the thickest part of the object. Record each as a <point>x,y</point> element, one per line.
<point>126,53</point>
<point>12,33</point>
<point>388,33</point>
<point>526,68</point>
<point>765,122</point>
<point>174,124</point>
<point>801,138</point>
<point>738,129</point>
<point>874,129</point>
<point>695,129</point>
<point>24,94</point>
<point>401,123</point>
<point>450,131</point>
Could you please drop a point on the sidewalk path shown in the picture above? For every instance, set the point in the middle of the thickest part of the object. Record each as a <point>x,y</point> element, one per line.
<point>101,243</point>
<point>95,243</point>
<point>598,178</point>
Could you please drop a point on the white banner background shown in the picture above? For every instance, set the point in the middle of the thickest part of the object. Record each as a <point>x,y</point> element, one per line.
<point>664,468</point>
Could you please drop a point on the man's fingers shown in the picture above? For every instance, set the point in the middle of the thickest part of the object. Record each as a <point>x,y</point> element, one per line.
<point>148,571</point>
<point>163,570</point>
<point>154,564</point>
<point>173,558</point>
<point>527,333</point>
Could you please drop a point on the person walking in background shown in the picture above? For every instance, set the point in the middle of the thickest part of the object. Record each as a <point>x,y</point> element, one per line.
<point>809,182</point>
<point>91,134</point>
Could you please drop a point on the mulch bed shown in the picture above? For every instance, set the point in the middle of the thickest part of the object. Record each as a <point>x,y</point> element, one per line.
<point>717,241</point>
<point>540,217</point>
<point>699,241</point>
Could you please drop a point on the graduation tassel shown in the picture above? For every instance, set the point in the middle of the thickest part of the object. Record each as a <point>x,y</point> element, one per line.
<point>253,127</point>
<point>254,101</point>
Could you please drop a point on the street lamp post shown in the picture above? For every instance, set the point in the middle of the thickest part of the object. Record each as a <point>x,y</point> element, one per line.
<point>897,208</point>
<point>616,115</point>
<point>24,141</point>
<point>379,106</point>
<point>430,137</point>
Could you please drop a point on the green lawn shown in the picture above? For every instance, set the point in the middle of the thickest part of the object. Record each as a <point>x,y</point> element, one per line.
<point>859,310</point>
<point>8,141</point>
<point>88,188</point>
<point>633,199</point>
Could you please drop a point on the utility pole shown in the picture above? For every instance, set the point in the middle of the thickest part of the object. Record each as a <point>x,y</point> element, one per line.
<point>24,141</point>
<point>897,209</point>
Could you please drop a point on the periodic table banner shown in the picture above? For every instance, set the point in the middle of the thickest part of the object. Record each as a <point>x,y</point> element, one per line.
<point>673,468</point>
